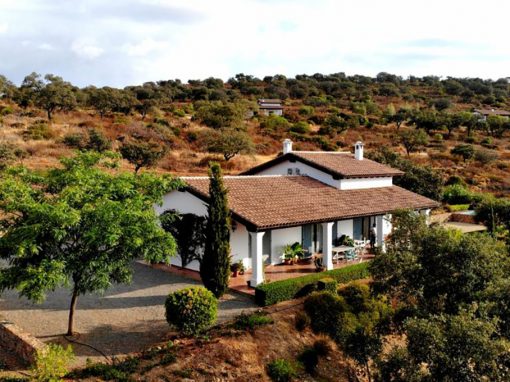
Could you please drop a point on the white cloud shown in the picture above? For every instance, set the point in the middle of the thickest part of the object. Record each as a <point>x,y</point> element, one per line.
<point>4,27</point>
<point>144,47</point>
<point>86,49</point>
<point>46,46</point>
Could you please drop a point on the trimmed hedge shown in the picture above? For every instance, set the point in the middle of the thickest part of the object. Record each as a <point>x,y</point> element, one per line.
<point>327,284</point>
<point>272,293</point>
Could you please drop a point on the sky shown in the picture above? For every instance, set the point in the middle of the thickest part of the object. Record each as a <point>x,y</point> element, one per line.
<point>129,42</point>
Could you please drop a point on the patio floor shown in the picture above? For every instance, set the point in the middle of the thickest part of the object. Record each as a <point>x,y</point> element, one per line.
<point>272,273</point>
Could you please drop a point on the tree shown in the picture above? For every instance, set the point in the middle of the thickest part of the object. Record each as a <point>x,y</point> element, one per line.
<point>464,151</point>
<point>189,232</point>
<point>228,142</point>
<point>98,142</point>
<point>142,154</point>
<point>435,269</point>
<point>78,226</point>
<point>412,140</point>
<point>103,100</point>
<point>55,94</point>
<point>399,117</point>
<point>423,180</point>
<point>215,265</point>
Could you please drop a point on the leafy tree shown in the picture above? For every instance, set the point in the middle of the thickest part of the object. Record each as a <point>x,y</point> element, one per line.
<point>333,124</point>
<point>7,88</point>
<point>412,140</point>
<point>54,94</point>
<point>142,154</point>
<point>420,179</point>
<point>78,226</point>
<point>189,232</point>
<point>401,116</point>
<point>228,142</point>
<point>215,265</point>
<point>464,151</point>
<point>220,115</point>
<point>435,269</point>
<point>103,100</point>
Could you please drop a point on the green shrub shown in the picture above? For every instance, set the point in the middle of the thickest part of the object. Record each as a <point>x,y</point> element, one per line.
<point>324,309</point>
<point>272,293</point>
<point>300,127</point>
<point>251,321</point>
<point>6,110</point>
<point>306,111</point>
<point>327,284</point>
<point>281,370</point>
<point>310,359</point>
<point>75,141</point>
<point>356,296</point>
<point>52,362</point>
<point>191,310</point>
<point>98,142</point>
<point>457,194</point>
<point>38,131</point>
<point>179,113</point>
<point>301,321</point>
<point>485,156</point>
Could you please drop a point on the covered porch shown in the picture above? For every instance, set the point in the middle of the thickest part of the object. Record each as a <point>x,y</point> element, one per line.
<point>318,240</point>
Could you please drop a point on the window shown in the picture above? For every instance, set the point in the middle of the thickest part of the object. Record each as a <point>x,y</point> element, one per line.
<point>289,171</point>
<point>298,171</point>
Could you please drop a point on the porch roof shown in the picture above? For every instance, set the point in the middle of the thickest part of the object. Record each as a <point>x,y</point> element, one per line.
<point>269,202</point>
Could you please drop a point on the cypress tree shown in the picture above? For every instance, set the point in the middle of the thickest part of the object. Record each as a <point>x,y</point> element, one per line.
<point>215,264</point>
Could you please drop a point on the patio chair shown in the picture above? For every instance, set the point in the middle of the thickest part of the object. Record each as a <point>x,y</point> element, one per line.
<point>351,255</point>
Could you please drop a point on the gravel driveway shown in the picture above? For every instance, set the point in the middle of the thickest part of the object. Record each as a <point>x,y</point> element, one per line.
<point>126,319</point>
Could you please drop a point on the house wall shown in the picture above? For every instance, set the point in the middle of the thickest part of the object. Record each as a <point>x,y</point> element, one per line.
<point>183,202</point>
<point>361,183</point>
<point>280,238</point>
<point>345,227</point>
<point>239,245</point>
<point>282,168</point>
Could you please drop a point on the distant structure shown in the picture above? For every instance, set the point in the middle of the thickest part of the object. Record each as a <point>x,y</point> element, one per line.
<point>484,113</point>
<point>270,106</point>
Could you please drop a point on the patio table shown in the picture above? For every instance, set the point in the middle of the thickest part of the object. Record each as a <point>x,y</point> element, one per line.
<point>341,249</point>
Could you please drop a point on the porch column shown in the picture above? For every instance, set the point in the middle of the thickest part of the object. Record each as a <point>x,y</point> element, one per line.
<point>426,213</point>
<point>257,267</point>
<point>379,221</point>
<point>327,244</point>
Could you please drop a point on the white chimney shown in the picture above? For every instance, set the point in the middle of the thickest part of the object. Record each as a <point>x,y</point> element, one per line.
<point>287,146</point>
<point>358,150</point>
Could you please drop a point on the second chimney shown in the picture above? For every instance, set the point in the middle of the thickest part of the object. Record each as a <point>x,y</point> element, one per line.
<point>287,146</point>
<point>358,150</point>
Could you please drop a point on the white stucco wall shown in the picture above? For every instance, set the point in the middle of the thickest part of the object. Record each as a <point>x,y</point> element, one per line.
<point>183,202</point>
<point>239,245</point>
<point>282,169</point>
<point>345,227</point>
<point>361,183</point>
<point>280,238</point>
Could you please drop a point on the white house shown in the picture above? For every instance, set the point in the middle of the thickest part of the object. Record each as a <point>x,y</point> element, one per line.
<point>270,106</point>
<point>309,197</point>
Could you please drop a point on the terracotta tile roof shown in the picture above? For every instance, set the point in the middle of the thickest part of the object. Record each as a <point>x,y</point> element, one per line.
<point>265,202</point>
<point>338,164</point>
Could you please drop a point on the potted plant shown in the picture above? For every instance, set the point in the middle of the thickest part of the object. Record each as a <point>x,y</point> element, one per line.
<point>234,268</point>
<point>292,252</point>
<point>240,267</point>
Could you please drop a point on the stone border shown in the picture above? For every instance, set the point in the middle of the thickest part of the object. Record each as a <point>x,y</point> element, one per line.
<point>19,342</point>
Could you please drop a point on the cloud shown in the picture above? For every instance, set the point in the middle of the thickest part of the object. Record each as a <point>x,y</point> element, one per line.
<point>144,47</point>
<point>3,27</point>
<point>86,49</point>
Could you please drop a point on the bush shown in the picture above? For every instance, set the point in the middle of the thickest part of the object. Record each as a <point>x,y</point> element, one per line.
<point>322,346</point>
<point>457,194</point>
<point>301,321</point>
<point>310,359</point>
<point>300,127</point>
<point>191,310</point>
<point>6,110</point>
<point>281,370</point>
<point>356,296</point>
<point>272,293</point>
<point>38,131</point>
<point>327,284</point>
<point>51,363</point>
<point>458,207</point>
<point>75,141</point>
<point>486,156</point>
<point>324,309</point>
<point>98,142</point>
<point>251,321</point>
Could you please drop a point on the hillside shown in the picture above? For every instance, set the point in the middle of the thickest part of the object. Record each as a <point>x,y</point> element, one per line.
<point>187,123</point>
